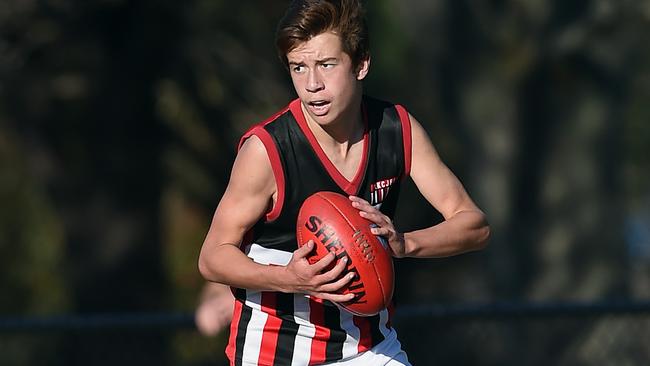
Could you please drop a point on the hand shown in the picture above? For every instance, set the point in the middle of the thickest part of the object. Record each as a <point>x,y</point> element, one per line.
<point>215,309</point>
<point>303,277</point>
<point>384,227</point>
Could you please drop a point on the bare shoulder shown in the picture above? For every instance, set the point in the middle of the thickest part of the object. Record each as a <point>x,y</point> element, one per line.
<point>248,196</point>
<point>253,151</point>
<point>252,168</point>
<point>423,150</point>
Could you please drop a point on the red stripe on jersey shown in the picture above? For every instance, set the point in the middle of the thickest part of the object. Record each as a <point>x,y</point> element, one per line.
<point>234,324</point>
<point>276,166</point>
<point>249,132</point>
<point>322,334</point>
<point>271,329</point>
<point>406,136</point>
<point>365,334</point>
<point>272,152</point>
<point>278,172</point>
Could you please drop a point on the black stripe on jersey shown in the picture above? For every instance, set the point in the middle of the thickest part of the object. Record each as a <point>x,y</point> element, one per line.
<point>240,294</point>
<point>334,346</point>
<point>375,333</point>
<point>288,329</point>
<point>245,318</point>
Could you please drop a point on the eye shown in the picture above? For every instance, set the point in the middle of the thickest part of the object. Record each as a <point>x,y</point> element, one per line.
<point>327,65</point>
<point>298,68</point>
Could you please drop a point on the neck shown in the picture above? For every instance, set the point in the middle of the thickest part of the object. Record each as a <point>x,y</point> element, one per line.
<point>346,130</point>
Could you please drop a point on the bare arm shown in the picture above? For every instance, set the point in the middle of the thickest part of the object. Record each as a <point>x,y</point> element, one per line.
<point>247,198</point>
<point>465,227</point>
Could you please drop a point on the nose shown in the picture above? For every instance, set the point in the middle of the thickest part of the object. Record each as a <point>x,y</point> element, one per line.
<point>314,82</point>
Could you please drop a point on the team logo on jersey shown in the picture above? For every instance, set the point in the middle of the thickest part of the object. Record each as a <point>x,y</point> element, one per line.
<point>379,190</point>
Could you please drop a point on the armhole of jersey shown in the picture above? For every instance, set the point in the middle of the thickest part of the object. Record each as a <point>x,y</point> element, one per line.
<point>406,137</point>
<point>276,165</point>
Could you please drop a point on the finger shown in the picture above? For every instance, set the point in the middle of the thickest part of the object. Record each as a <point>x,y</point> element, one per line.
<point>304,250</point>
<point>324,262</point>
<point>377,218</point>
<point>333,273</point>
<point>335,286</point>
<point>381,231</point>
<point>361,204</point>
<point>371,213</point>
<point>358,199</point>
<point>335,297</point>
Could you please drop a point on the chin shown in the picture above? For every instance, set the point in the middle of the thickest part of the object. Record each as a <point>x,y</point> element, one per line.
<point>324,120</point>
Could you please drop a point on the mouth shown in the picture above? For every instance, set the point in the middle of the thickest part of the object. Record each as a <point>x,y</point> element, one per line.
<point>319,107</point>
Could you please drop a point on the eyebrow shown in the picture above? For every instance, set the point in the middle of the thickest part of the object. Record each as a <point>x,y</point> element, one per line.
<point>320,61</point>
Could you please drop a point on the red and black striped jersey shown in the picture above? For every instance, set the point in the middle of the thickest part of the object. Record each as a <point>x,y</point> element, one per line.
<point>271,328</point>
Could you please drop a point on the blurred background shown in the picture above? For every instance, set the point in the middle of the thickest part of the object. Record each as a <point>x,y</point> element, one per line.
<point>118,127</point>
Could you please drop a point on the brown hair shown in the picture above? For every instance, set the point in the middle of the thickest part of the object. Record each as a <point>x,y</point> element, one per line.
<point>305,19</point>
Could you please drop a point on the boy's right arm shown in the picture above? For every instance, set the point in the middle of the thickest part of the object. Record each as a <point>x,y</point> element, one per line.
<point>247,198</point>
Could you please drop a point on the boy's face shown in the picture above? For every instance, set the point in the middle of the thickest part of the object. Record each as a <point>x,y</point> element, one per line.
<point>327,83</point>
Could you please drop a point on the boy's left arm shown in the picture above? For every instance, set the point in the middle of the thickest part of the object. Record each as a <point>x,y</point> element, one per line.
<point>465,227</point>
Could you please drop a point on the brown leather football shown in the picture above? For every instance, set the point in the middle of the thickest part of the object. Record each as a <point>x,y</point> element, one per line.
<point>329,219</point>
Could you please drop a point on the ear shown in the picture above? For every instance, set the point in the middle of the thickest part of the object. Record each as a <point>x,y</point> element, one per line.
<point>363,68</point>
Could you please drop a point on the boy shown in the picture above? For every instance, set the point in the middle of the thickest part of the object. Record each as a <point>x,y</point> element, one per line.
<point>332,138</point>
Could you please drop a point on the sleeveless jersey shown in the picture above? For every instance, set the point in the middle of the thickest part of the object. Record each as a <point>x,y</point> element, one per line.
<point>272,328</point>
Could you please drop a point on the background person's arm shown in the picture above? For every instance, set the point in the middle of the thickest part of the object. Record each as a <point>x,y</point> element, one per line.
<point>214,311</point>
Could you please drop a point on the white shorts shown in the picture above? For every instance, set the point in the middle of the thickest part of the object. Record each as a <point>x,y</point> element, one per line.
<point>387,353</point>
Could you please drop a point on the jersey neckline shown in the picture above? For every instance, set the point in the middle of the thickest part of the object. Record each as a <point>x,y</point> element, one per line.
<point>349,187</point>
